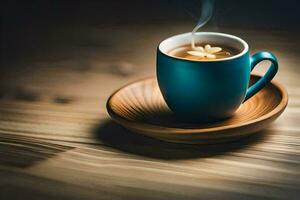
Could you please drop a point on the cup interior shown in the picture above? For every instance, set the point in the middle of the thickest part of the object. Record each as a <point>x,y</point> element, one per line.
<point>221,39</point>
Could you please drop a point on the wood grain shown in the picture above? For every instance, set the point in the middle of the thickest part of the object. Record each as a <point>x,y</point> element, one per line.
<point>72,150</point>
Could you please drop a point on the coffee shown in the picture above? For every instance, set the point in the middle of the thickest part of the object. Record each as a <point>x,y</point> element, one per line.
<point>204,52</point>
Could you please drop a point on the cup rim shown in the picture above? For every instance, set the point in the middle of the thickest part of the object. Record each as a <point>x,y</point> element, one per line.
<point>243,42</point>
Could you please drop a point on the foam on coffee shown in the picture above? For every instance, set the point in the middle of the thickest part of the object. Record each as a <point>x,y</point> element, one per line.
<point>203,52</point>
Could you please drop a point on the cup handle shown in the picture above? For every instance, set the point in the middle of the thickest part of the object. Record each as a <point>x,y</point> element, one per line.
<point>263,81</point>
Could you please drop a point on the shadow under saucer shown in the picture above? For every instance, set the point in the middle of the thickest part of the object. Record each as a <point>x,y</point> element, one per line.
<point>118,137</point>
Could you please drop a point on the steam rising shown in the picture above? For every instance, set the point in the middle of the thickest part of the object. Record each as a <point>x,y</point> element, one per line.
<point>206,14</point>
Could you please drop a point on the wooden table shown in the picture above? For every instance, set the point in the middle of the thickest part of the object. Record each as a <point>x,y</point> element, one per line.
<point>57,141</point>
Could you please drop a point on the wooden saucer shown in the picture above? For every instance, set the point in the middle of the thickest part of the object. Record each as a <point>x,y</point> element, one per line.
<point>140,107</point>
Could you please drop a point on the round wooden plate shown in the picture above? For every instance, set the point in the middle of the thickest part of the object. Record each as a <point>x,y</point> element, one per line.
<point>140,107</point>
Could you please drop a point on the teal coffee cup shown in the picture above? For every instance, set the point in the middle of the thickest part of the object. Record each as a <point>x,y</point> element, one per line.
<point>213,89</point>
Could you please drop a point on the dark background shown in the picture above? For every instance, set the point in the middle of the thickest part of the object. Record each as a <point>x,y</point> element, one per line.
<point>32,25</point>
<point>60,62</point>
